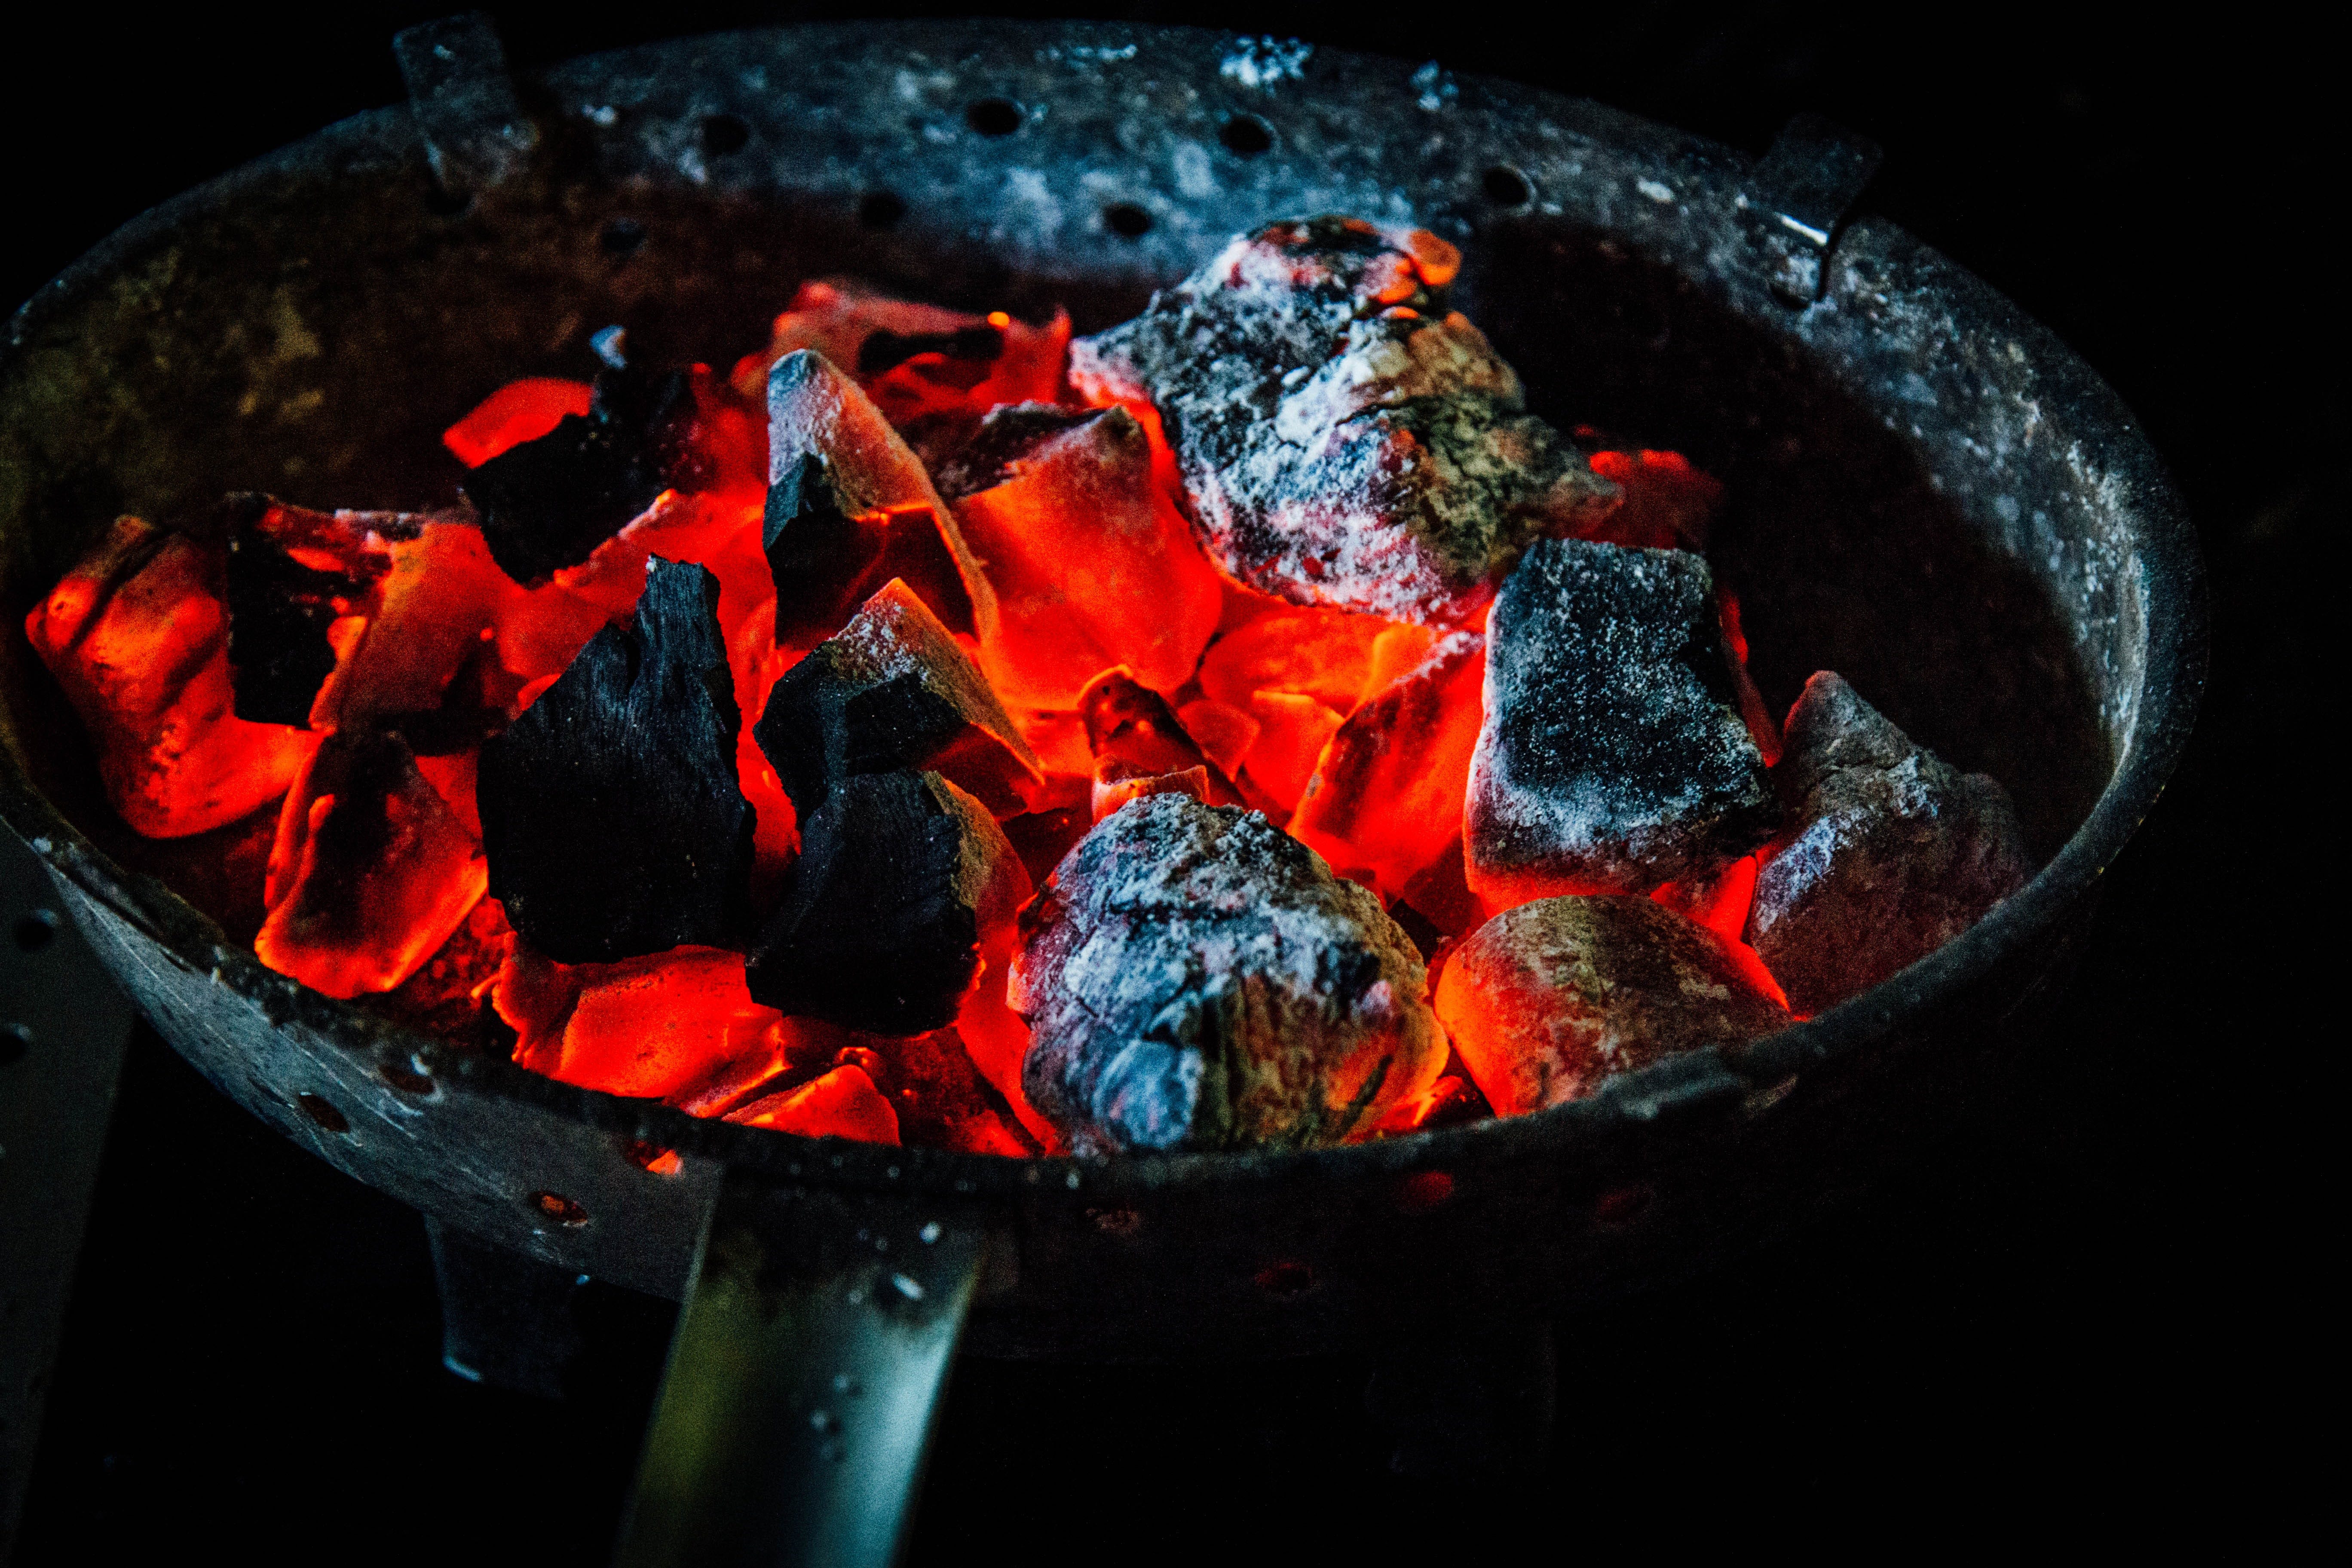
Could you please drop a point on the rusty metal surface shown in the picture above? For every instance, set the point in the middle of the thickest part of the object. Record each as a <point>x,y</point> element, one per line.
<point>1926,482</point>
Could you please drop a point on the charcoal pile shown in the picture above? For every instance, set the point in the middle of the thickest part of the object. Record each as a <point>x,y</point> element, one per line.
<point>1248,726</point>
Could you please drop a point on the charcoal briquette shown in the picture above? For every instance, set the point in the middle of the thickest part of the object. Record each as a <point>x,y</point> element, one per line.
<point>1343,438</point>
<point>1546,1001</point>
<point>610,809</point>
<point>1196,979</point>
<point>1612,756</point>
<point>1889,851</point>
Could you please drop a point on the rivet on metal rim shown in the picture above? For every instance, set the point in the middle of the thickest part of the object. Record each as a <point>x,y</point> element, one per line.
<point>1798,196</point>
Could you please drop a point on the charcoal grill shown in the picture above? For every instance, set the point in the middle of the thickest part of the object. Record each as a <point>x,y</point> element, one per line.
<point>1930,494</point>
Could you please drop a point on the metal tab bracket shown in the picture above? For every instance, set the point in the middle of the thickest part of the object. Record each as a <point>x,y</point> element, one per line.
<point>476,134</point>
<point>1798,196</point>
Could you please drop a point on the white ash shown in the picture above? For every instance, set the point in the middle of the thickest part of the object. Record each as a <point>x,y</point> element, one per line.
<point>1343,439</point>
<point>1196,979</point>
<point>1613,757</point>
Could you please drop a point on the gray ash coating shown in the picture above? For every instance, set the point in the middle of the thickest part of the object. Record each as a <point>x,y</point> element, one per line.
<point>1614,757</point>
<point>1890,851</point>
<point>1342,439</point>
<point>1547,1000</point>
<point>1196,979</point>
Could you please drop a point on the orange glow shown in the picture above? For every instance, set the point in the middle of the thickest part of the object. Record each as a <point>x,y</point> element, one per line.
<point>844,1103</point>
<point>1384,800</point>
<point>370,874</point>
<point>1132,726</point>
<point>1667,504</point>
<point>1327,655</point>
<point>837,317</point>
<point>1758,718</point>
<point>1115,785</point>
<point>518,412</point>
<point>1225,734</point>
<point>137,636</point>
<point>421,620</point>
<point>1293,731</point>
<point>1721,904</point>
<point>659,1024</point>
<point>1092,567</point>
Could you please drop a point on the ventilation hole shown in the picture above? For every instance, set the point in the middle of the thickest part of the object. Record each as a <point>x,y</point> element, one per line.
<point>722,134</point>
<point>1115,1222</point>
<point>324,1114</point>
<point>880,209</point>
<point>15,1041</point>
<point>37,930</point>
<point>1505,186</point>
<point>620,236</point>
<point>1287,1281</point>
<point>404,1076</point>
<point>1127,219</point>
<point>446,204</point>
<point>559,1208</point>
<point>994,116</point>
<point>1245,135</point>
<point>652,1157</point>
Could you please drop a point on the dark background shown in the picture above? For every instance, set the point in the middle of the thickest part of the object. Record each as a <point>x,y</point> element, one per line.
<point>2090,1320</point>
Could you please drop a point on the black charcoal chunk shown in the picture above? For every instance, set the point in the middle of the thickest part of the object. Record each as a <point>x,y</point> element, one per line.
<point>611,810</point>
<point>899,878</point>
<point>1342,438</point>
<point>892,690</point>
<point>1889,853</point>
<point>1194,978</point>
<point>548,503</point>
<point>1004,436</point>
<point>293,572</point>
<point>1613,756</point>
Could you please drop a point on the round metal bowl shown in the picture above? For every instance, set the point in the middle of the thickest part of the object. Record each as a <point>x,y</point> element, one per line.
<point>1929,495</point>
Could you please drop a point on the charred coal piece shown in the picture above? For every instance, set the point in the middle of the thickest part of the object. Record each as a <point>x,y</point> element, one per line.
<point>1612,756</point>
<point>891,691</point>
<point>1890,852</point>
<point>1196,979</point>
<point>1131,727</point>
<point>614,822</point>
<point>1091,565</point>
<point>137,636</point>
<point>1547,1000</point>
<point>292,574</point>
<point>850,506</point>
<point>1343,439</point>
<point>1004,440</point>
<point>371,873</point>
<point>884,349</point>
<point>548,503</point>
<point>902,880</point>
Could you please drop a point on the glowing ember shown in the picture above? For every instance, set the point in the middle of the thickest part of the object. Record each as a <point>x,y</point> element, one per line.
<point>835,659</point>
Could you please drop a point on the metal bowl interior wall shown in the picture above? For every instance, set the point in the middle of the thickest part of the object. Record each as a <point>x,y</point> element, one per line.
<point>1931,496</point>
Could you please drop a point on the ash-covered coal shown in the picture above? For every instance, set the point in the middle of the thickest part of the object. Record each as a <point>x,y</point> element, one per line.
<point>891,690</point>
<point>612,811</point>
<point>1612,756</point>
<point>548,503</point>
<point>1196,979</point>
<point>1890,852</point>
<point>1547,1000</point>
<point>1343,439</point>
<point>903,881</point>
